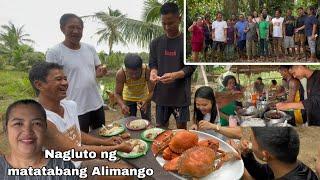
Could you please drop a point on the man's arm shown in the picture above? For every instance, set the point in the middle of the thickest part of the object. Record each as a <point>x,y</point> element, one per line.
<point>120,80</point>
<point>88,139</point>
<point>293,88</point>
<point>60,142</point>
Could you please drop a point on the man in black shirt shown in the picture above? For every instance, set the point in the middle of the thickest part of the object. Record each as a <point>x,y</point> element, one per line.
<point>207,35</point>
<point>300,37</point>
<point>312,103</point>
<point>289,31</point>
<point>172,93</point>
<point>279,148</point>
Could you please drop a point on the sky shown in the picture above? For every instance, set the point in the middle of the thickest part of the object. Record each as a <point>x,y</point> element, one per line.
<point>41,19</point>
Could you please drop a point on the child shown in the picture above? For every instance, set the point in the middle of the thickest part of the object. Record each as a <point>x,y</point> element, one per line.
<point>206,116</point>
<point>197,38</point>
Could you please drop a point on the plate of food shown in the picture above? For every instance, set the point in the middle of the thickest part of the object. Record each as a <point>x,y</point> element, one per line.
<point>137,124</point>
<point>111,129</point>
<point>150,134</point>
<point>140,148</point>
<point>194,154</point>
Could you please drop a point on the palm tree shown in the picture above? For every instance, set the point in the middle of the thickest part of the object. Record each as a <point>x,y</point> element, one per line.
<point>12,42</point>
<point>131,30</point>
<point>13,36</point>
<point>111,33</point>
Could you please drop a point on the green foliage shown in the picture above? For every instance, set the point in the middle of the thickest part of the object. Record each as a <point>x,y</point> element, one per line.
<point>14,85</point>
<point>115,60</point>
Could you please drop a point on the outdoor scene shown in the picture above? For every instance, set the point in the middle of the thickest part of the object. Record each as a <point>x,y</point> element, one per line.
<point>252,31</point>
<point>214,103</point>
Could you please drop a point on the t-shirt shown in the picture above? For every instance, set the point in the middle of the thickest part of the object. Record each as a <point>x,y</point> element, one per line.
<point>277,27</point>
<point>300,22</point>
<point>230,34</point>
<point>197,35</point>
<point>263,28</point>
<point>79,67</point>
<point>52,164</point>
<point>264,172</point>
<point>252,33</point>
<point>312,103</point>
<point>166,55</point>
<point>289,30</point>
<point>240,27</point>
<point>309,22</point>
<point>219,27</point>
<point>207,32</point>
<point>69,123</point>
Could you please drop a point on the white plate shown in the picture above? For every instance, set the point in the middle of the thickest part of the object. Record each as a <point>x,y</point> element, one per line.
<point>232,170</point>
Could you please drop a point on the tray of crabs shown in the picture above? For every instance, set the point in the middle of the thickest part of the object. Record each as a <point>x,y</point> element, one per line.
<point>195,154</point>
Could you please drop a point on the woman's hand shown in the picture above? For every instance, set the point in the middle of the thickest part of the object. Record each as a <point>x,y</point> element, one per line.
<point>194,127</point>
<point>114,140</point>
<point>206,125</point>
<point>125,147</point>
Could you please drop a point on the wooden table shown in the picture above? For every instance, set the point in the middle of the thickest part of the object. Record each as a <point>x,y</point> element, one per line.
<point>149,161</point>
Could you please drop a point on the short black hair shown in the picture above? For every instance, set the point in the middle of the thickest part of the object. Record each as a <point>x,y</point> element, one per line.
<point>40,72</point>
<point>219,12</point>
<point>274,82</point>
<point>279,10</point>
<point>65,17</point>
<point>29,102</point>
<point>259,78</point>
<point>281,142</point>
<point>300,8</point>
<point>132,61</point>
<point>313,10</point>
<point>168,8</point>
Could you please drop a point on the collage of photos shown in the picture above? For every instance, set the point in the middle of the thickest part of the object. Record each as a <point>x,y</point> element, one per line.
<point>164,90</point>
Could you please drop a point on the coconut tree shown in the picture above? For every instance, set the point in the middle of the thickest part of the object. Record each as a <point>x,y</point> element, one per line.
<point>13,41</point>
<point>131,30</point>
<point>111,32</point>
<point>12,36</point>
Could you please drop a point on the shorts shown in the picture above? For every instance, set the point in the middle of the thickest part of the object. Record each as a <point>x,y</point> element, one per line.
<point>300,39</point>
<point>163,113</point>
<point>288,42</point>
<point>94,119</point>
<point>197,46</point>
<point>312,45</point>
<point>241,44</point>
<point>133,110</point>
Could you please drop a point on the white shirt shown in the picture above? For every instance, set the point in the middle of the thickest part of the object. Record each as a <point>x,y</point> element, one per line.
<point>219,27</point>
<point>277,27</point>
<point>79,67</point>
<point>68,124</point>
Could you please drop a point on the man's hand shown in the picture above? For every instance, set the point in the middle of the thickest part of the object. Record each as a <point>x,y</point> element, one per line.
<point>154,78</point>
<point>101,71</point>
<point>125,147</point>
<point>167,78</point>
<point>125,109</point>
<point>114,140</point>
<point>143,105</point>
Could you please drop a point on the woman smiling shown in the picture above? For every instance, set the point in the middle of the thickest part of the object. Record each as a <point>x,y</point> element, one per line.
<point>25,127</point>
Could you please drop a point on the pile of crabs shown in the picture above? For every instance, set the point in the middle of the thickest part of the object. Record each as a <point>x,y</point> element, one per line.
<point>185,154</point>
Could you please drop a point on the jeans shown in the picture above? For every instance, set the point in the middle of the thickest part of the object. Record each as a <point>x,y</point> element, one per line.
<point>263,47</point>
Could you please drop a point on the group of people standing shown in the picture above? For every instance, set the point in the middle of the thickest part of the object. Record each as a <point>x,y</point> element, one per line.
<point>257,37</point>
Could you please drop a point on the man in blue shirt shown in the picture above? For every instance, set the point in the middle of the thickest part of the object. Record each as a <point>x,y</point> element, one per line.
<point>241,36</point>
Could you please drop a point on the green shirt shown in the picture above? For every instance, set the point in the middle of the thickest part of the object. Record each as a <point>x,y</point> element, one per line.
<point>263,27</point>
